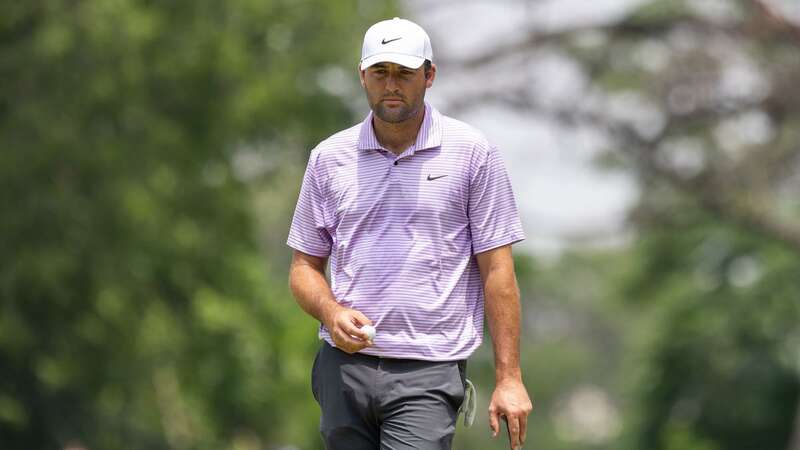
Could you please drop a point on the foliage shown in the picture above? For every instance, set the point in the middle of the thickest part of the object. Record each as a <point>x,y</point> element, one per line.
<point>715,357</point>
<point>135,308</point>
<point>698,102</point>
<point>152,154</point>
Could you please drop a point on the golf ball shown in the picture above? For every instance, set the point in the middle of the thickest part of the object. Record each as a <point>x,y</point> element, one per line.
<point>370,330</point>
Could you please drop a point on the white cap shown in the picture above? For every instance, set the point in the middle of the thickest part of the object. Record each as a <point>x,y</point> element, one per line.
<point>399,41</point>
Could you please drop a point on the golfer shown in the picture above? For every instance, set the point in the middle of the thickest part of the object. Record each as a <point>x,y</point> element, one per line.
<point>415,212</point>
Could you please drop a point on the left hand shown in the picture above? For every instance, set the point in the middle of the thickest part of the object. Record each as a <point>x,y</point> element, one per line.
<point>510,400</point>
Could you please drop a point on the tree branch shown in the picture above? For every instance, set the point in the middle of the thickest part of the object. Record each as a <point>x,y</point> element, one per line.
<point>705,187</point>
<point>626,29</point>
<point>776,19</point>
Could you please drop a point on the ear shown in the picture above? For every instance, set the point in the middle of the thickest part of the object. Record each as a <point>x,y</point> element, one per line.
<point>361,74</point>
<point>430,76</point>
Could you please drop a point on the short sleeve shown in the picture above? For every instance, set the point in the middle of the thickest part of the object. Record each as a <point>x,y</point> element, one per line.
<point>493,215</point>
<point>308,233</point>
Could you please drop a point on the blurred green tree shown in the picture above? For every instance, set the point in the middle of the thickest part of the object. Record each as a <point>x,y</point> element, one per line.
<point>699,101</point>
<point>136,309</point>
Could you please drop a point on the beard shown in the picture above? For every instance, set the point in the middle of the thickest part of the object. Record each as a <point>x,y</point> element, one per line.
<point>395,114</point>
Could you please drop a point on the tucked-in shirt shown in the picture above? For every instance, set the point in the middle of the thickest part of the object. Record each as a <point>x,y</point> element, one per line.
<point>402,232</point>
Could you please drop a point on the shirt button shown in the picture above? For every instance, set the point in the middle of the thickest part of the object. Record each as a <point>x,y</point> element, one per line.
<point>395,163</point>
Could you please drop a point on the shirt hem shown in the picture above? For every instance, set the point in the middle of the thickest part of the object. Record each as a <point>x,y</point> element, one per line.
<point>390,355</point>
<point>309,250</point>
<point>507,240</point>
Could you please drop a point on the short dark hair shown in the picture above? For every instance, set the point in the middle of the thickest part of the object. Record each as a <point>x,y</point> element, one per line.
<point>427,66</point>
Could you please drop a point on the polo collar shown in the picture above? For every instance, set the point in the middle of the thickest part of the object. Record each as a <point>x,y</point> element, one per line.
<point>429,136</point>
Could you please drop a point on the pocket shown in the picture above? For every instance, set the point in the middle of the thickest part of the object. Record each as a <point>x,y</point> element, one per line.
<point>461,382</point>
<point>315,376</point>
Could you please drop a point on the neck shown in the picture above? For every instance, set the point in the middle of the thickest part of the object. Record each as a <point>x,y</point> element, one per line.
<point>397,137</point>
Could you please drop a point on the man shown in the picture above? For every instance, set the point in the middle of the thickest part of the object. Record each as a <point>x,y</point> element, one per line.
<point>416,212</point>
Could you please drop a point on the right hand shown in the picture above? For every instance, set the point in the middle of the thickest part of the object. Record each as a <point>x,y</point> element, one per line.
<point>344,325</point>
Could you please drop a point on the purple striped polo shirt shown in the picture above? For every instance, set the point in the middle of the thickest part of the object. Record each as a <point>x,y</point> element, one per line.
<point>402,231</point>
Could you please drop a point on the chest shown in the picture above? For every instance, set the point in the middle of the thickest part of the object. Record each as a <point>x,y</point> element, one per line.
<point>423,189</point>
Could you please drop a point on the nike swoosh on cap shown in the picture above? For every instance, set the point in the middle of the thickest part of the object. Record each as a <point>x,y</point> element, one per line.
<point>384,41</point>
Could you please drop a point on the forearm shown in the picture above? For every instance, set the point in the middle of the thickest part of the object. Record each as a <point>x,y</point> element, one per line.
<point>503,315</point>
<point>312,291</point>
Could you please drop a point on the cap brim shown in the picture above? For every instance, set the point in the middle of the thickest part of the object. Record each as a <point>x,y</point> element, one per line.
<point>412,62</point>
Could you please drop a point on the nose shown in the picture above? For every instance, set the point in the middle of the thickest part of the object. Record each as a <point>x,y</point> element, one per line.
<point>391,82</point>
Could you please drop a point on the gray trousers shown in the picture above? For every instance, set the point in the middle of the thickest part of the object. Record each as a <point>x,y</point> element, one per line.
<point>372,403</point>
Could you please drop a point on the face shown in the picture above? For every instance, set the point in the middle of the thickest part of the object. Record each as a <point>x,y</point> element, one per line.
<point>396,93</point>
